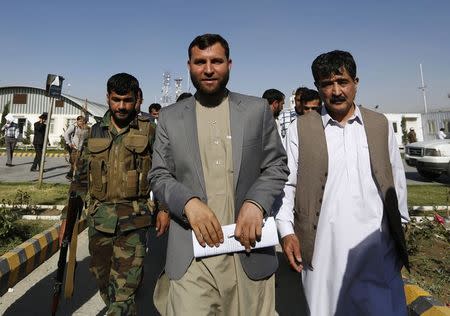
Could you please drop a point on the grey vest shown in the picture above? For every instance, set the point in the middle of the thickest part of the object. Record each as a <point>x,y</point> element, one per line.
<point>313,172</point>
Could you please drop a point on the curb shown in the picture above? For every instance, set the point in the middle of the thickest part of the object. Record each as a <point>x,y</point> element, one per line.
<point>22,260</point>
<point>51,155</point>
<point>38,206</point>
<point>430,208</point>
<point>420,302</point>
<point>43,217</point>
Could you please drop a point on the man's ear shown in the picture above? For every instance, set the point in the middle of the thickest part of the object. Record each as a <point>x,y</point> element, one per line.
<point>230,63</point>
<point>356,80</point>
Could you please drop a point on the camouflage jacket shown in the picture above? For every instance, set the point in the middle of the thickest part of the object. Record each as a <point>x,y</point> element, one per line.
<point>112,214</point>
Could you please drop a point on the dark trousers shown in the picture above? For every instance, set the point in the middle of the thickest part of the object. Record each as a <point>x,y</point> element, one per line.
<point>10,143</point>
<point>38,157</point>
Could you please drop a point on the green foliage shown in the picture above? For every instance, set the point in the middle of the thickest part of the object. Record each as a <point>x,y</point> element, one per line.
<point>62,141</point>
<point>429,251</point>
<point>11,210</point>
<point>3,122</point>
<point>430,194</point>
<point>7,218</point>
<point>22,231</point>
<point>426,229</point>
<point>4,113</point>
<point>404,131</point>
<point>13,229</point>
<point>48,193</point>
<point>28,132</point>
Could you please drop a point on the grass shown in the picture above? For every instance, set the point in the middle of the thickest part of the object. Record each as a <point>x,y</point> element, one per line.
<point>52,194</point>
<point>23,231</point>
<point>427,195</point>
<point>49,194</point>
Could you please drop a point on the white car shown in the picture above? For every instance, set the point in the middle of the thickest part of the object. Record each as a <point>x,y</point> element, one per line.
<point>431,158</point>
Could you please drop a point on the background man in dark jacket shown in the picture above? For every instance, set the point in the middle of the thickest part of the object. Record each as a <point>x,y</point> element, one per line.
<point>38,140</point>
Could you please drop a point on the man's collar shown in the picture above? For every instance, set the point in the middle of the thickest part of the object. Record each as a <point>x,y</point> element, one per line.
<point>106,121</point>
<point>327,119</point>
<point>205,103</point>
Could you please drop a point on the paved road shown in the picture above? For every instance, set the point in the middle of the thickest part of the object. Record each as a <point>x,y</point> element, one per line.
<point>58,167</point>
<point>32,296</point>
<point>412,177</point>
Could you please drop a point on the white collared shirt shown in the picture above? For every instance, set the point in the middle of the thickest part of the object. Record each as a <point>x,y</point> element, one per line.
<point>352,240</point>
<point>285,217</point>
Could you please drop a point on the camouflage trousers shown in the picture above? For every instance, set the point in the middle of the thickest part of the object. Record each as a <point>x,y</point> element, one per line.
<point>117,263</point>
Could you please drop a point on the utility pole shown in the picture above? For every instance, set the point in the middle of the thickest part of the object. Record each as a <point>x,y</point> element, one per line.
<point>44,148</point>
<point>423,87</point>
<point>53,90</point>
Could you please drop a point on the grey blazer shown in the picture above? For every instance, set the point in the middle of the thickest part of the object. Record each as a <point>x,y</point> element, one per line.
<point>260,172</point>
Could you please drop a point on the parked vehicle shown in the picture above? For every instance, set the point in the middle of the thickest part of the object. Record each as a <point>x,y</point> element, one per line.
<point>431,158</point>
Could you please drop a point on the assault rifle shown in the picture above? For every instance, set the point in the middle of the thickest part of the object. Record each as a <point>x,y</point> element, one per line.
<point>70,233</point>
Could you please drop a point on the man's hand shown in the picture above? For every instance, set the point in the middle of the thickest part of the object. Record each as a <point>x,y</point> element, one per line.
<point>249,225</point>
<point>291,249</point>
<point>162,223</point>
<point>204,223</point>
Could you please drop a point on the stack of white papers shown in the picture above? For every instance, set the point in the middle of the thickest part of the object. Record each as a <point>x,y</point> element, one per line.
<point>269,237</point>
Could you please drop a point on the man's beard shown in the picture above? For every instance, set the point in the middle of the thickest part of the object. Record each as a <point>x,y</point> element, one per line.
<point>276,114</point>
<point>220,87</point>
<point>122,122</point>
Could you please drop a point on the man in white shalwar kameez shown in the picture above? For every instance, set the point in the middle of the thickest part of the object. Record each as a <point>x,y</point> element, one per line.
<point>353,262</point>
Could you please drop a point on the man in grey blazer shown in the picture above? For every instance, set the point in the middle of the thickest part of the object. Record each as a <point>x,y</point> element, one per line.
<point>217,160</point>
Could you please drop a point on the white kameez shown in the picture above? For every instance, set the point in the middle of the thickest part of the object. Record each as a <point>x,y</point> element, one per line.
<point>355,269</point>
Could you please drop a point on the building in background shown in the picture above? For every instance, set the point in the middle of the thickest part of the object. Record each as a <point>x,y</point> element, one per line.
<point>412,120</point>
<point>432,122</point>
<point>27,103</point>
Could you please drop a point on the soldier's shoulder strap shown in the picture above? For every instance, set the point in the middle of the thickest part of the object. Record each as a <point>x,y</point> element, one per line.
<point>145,127</point>
<point>99,131</point>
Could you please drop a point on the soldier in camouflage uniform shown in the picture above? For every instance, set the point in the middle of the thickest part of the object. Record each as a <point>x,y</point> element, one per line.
<point>115,164</point>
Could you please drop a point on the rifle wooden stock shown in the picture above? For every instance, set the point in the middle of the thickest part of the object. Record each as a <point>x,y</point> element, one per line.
<point>74,208</point>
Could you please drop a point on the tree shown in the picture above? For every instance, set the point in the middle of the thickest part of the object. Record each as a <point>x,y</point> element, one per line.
<point>404,131</point>
<point>4,113</point>
<point>3,122</point>
<point>28,132</point>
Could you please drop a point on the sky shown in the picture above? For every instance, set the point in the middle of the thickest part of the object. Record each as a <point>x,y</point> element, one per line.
<point>272,45</point>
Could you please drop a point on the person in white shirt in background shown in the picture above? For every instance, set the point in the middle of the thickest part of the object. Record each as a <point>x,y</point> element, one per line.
<point>344,205</point>
<point>11,130</point>
<point>74,137</point>
<point>441,134</point>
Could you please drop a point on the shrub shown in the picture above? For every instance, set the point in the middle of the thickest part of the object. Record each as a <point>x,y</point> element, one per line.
<point>12,210</point>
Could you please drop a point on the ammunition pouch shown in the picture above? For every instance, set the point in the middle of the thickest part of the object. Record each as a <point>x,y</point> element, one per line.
<point>118,170</point>
<point>98,166</point>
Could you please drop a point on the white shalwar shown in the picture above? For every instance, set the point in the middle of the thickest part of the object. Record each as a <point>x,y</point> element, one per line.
<point>355,269</point>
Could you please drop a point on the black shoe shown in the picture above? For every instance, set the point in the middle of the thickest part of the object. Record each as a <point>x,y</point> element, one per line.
<point>33,170</point>
<point>9,165</point>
